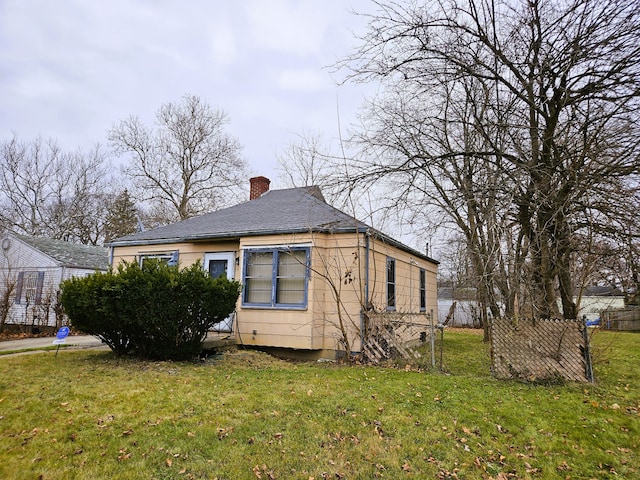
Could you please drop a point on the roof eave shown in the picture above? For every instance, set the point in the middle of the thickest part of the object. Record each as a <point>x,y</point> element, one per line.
<point>238,235</point>
<point>391,241</point>
<point>232,235</point>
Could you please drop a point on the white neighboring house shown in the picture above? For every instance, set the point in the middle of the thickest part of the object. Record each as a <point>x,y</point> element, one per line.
<point>31,269</point>
<point>596,299</point>
<point>593,302</point>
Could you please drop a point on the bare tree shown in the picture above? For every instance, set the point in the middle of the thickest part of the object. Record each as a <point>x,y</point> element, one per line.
<point>508,115</point>
<point>306,163</point>
<point>48,192</point>
<point>611,256</point>
<point>313,161</point>
<point>188,166</point>
<point>7,288</point>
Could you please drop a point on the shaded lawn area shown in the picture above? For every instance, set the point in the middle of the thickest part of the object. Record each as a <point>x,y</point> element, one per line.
<point>87,415</point>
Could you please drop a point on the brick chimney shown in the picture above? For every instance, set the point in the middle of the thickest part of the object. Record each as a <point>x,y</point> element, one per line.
<point>259,185</point>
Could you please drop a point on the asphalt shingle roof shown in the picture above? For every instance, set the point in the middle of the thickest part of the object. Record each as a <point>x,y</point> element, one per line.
<point>276,211</point>
<point>70,254</point>
<point>292,210</point>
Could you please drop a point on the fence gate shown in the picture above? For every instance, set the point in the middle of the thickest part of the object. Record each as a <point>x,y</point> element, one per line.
<point>539,350</point>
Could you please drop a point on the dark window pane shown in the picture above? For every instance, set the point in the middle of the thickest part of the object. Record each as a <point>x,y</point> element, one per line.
<point>423,290</point>
<point>217,268</point>
<point>391,282</point>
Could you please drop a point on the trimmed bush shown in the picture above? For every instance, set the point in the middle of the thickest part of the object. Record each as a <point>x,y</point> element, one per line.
<point>154,311</point>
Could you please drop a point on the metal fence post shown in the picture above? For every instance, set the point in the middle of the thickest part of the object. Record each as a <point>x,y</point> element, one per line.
<point>433,341</point>
<point>588,367</point>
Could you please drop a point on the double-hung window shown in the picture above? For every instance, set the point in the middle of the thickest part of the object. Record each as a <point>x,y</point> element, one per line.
<point>29,288</point>
<point>391,283</point>
<point>276,277</point>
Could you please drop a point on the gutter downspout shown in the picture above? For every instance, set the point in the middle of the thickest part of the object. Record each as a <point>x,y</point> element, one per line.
<point>111,256</point>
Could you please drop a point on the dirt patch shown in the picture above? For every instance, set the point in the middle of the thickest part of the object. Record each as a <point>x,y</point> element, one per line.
<point>246,358</point>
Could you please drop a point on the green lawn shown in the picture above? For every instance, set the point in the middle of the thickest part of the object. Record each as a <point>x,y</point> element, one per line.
<point>87,415</point>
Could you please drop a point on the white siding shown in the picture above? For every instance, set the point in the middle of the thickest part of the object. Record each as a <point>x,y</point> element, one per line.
<point>16,258</point>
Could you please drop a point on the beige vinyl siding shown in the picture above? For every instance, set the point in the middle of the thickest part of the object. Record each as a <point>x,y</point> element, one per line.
<point>189,252</point>
<point>337,266</point>
<point>273,326</point>
<point>339,262</point>
<point>407,279</point>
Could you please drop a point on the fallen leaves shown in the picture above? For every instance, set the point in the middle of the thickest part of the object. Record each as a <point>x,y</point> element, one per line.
<point>263,472</point>
<point>124,454</point>
<point>104,421</point>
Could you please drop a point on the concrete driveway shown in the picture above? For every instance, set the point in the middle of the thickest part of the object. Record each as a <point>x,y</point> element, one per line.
<point>40,343</point>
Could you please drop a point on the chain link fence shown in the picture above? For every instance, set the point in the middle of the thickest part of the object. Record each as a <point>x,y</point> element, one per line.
<point>540,350</point>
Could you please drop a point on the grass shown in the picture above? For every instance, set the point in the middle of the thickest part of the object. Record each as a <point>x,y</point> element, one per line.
<point>25,350</point>
<point>87,415</point>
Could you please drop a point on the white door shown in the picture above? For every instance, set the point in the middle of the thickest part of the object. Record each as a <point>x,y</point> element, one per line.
<point>217,264</point>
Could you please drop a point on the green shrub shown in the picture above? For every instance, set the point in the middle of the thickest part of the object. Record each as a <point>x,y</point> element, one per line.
<point>152,311</point>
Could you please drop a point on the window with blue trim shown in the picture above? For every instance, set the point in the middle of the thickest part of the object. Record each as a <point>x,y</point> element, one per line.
<point>169,258</point>
<point>276,277</point>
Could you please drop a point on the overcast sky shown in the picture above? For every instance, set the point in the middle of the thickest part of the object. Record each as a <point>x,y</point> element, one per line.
<point>70,69</point>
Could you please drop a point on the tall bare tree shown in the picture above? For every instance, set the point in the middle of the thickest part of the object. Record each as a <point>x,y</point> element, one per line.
<point>509,115</point>
<point>46,191</point>
<point>306,162</point>
<point>188,166</point>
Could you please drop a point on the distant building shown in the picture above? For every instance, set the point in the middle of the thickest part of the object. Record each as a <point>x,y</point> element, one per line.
<point>593,302</point>
<point>31,269</point>
<point>458,304</point>
<point>597,299</point>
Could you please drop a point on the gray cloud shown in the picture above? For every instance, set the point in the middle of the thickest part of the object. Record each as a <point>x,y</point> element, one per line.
<point>70,69</point>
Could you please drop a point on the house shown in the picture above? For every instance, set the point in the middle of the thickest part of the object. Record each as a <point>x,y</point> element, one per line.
<point>596,299</point>
<point>457,306</point>
<point>309,272</point>
<point>31,269</point>
<point>592,301</point>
